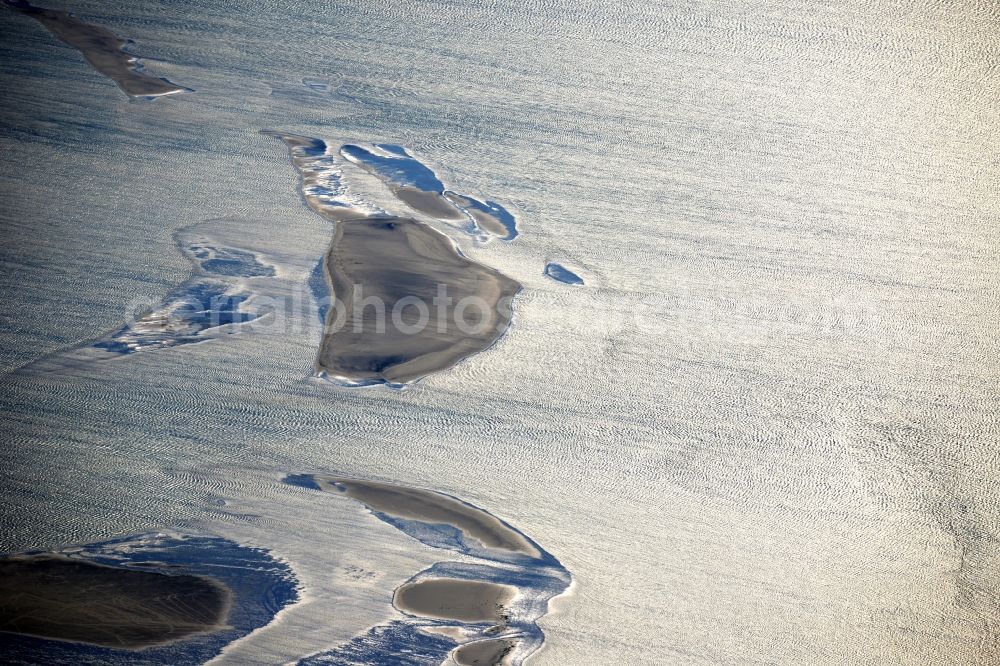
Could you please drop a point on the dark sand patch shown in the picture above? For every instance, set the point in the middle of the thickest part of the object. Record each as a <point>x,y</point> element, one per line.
<point>387,260</point>
<point>484,653</point>
<point>101,48</point>
<point>455,599</point>
<point>431,507</point>
<point>65,599</point>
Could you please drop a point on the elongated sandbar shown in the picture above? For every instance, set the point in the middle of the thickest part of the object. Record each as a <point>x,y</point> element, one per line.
<point>101,48</point>
<point>431,507</point>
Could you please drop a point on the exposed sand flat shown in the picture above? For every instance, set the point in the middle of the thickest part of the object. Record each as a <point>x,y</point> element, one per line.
<point>101,48</point>
<point>455,599</point>
<point>416,185</point>
<point>386,274</point>
<point>71,600</point>
<point>484,653</point>
<point>386,260</point>
<point>431,203</point>
<point>493,219</point>
<point>431,507</point>
<point>454,633</point>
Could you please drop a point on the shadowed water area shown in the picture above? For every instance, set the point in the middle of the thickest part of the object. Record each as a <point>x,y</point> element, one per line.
<point>560,273</point>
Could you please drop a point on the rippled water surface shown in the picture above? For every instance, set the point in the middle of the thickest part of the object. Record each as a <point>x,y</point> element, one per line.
<point>763,431</point>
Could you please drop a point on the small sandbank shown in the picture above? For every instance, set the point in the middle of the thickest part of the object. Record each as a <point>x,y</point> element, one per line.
<point>416,185</point>
<point>409,179</point>
<point>60,598</point>
<point>389,274</point>
<point>489,216</point>
<point>483,609</point>
<point>484,653</point>
<point>432,507</point>
<point>431,203</point>
<point>455,599</point>
<point>101,48</point>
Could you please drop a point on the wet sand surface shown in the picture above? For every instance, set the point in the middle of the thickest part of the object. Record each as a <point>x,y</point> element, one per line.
<point>493,219</point>
<point>418,186</point>
<point>391,259</point>
<point>432,507</point>
<point>431,203</point>
<point>101,48</point>
<point>321,185</point>
<point>455,599</point>
<point>484,653</point>
<point>71,600</point>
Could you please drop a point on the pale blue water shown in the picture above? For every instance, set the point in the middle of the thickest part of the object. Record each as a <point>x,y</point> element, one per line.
<point>764,430</point>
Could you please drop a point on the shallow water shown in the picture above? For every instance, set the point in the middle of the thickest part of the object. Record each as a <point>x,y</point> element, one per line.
<point>560,273</point>
<point>763,431</point>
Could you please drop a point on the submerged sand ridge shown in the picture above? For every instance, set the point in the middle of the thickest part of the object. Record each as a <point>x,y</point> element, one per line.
<point>409,303</point>
<point>101,48</point>
<point>66,599</point>
<point>431,507</point>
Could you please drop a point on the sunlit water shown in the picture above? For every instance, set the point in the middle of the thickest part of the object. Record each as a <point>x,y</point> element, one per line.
<point>765,429</point>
